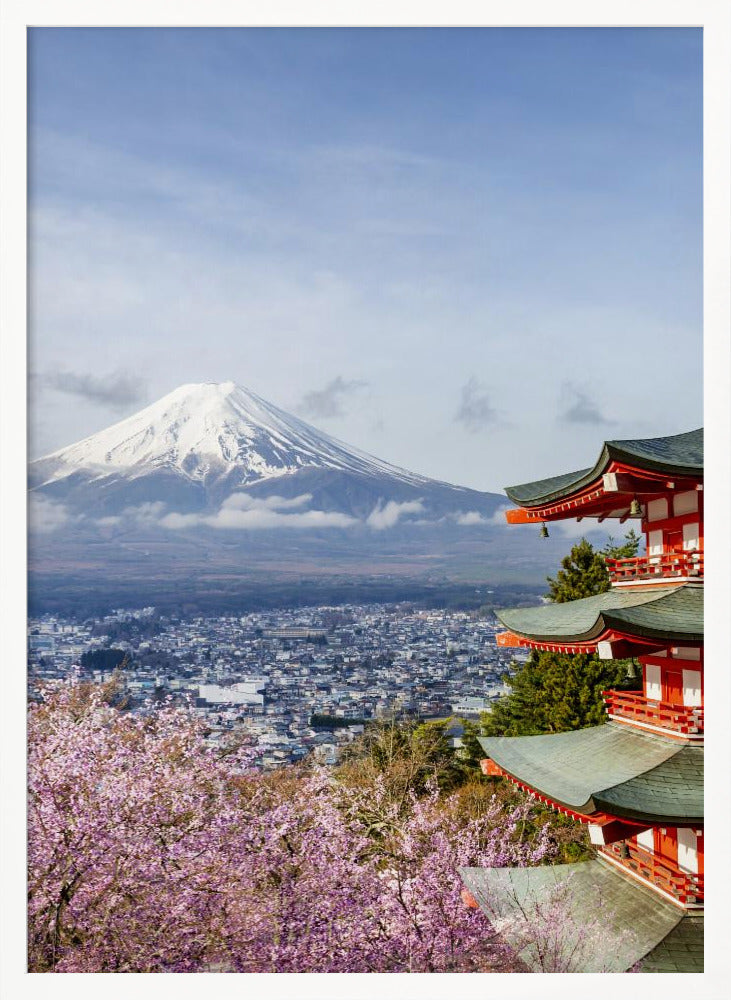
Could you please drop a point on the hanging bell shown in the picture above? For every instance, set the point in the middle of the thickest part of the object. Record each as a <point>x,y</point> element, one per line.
<point>544,531</point>
<point>634,508</point>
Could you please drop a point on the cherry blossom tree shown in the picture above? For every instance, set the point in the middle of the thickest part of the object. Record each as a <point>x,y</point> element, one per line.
<point>151,851</point>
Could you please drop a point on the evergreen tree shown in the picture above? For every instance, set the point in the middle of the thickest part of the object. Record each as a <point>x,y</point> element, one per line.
<point>555,692</point>
<point>622,550</point>
<point>471,752</point>
<point>583,573</point>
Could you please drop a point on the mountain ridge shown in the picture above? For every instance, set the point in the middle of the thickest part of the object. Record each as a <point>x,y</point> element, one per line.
<point>212,486</point>
<point>205,445</point>
<point>212,427</point>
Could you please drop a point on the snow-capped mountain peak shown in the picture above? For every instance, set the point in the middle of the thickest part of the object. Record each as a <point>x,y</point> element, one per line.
<point>210,430</point>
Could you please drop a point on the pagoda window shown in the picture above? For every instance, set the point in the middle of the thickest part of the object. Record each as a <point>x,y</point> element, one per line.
<point>691,536</point>
<point>692,688</point>
<point>653,682</point>
<point>687,851</point>
<point>646,840</point>
<point>685,503</point>
<point>686,652</point>
<point>657,510</point>
<point>654,543</point>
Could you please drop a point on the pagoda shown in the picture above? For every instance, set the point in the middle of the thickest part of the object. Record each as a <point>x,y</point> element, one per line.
<point>636,780</point>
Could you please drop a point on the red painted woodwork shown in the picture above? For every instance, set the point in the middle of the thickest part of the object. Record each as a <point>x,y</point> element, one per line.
<point>636,707</point>
<point>596,500</point>
<point>598,817</point>
<point>610,831</point>
<point>675,658</point>
<point>469,900</point>
<point>673,541</point>
<point>627,645</point>
<point>672,685</point>
<point>670,564</point>
<point>664,873</point>
<point>700,840</point>
<point>666,844</point>
<point>490,769</point>
<point>508,639</point>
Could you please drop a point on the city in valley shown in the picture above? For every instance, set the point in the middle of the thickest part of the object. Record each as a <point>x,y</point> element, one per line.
<point>295,682</point>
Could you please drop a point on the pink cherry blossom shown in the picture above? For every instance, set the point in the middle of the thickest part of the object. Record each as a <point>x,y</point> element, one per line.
<point>150,851</point>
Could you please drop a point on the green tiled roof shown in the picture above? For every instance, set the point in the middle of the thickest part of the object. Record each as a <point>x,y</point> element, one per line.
<point>625,922</point>
<point>675,455</point>
<point>680,951</point>
<point>611,768</point>
<point>648,612</point>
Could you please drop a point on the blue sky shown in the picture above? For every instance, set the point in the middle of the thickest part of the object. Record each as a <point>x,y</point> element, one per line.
<point>475,253</point>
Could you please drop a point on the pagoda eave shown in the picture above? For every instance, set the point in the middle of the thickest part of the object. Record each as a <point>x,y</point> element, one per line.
<point>610,645</point>
<point>609,771</point>
<point>602,499</point>
<point>596,818</point>
<point>625,471</point>
<point>646,618</point>
<point>638,926</point>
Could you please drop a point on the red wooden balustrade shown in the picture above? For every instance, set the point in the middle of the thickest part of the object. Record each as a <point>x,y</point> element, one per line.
<point>683,564</point>
<point>636,707</point>
<point>686,887</point>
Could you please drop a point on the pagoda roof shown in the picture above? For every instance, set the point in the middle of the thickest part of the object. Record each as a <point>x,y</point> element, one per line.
<point>637,925</point>
<point>678,454</point>
<point>667,613</point>
<point>612,769</point>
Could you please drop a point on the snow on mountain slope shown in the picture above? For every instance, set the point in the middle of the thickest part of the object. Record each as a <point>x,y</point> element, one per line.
<point>207,431</point>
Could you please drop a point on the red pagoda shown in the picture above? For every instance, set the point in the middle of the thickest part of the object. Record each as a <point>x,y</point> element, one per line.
<point>637,780</point>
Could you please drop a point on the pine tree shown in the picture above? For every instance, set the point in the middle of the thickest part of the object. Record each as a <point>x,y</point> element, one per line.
<point>583,573</point>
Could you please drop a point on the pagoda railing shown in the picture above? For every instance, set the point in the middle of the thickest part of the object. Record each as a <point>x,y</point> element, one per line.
<point>685,887</point>
<point>668,564</point>
<point>686,720</point>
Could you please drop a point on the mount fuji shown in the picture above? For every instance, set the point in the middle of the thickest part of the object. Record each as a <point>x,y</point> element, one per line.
<point>214,447</point>
<point>212,493</point>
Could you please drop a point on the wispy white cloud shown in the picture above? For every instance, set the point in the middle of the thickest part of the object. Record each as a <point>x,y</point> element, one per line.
<point>578,408</point>
<point>243,512</point>
<point>260,518</point>
<point>46,516</point>
<point>475,410</point>
<point>377,237</point>
<point>471,517</point>
<point>148,513</point>
<point>387,515</point>
<point>329,401</point>
<point>117,391</point>
<point>244,501</point>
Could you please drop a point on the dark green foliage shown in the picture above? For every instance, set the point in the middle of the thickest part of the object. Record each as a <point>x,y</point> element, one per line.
<point>624,550</point>
<point>103,659</point>
<point>584,572</point>
<point>332,722</point>
<point>554,692</point>
<point>471,753</point>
